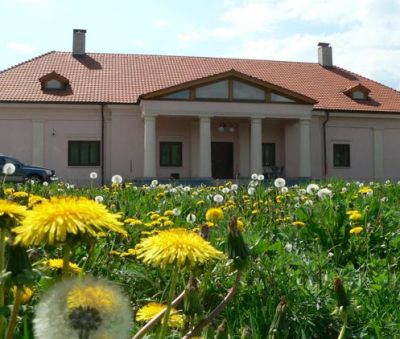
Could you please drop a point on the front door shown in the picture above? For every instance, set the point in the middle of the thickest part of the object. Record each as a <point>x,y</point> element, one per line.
<point>222,160</point>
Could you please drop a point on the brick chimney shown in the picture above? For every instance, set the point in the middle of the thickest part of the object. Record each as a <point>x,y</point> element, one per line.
<point>79,42</point>
<point>325,54</point>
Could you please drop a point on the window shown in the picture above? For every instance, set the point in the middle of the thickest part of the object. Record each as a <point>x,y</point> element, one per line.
<point>217,90</point>
<point>358,95</point>
<point>280,98</point>
<point>242,91</point>
<point>171,154</point>
<point>54,85</point>
<point>83,153</point>
<point>181,95</point>
<point>341,155</point>
<point>268,154</point>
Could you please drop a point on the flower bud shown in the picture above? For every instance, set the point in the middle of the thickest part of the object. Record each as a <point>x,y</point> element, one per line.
<point>341,296</point>
<point>237,248</point>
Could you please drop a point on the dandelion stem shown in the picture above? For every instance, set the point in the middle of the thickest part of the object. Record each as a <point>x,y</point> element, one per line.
<point>66,255</point>
<point>196,330</point>
<point>2,264</point>
<point>343,330</point>
<point>169,303</point>
<point>14,314</point>
<point>146,328</point>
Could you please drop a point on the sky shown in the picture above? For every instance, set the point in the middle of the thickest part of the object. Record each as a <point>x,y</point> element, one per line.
<point>364,34</point>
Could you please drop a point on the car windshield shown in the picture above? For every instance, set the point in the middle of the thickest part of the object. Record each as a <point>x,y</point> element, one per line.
<point>13,161</point>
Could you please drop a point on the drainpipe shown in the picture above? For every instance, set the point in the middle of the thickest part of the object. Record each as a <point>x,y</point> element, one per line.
<point>102,144</point>
<point>324,140</point>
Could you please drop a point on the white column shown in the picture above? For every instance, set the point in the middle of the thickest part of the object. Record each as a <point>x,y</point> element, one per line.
<point>38,143</point>
<point>244,146</point>
<point>195,150</point>
<point>378,153</point>
<point>149,166</point>
<point>204,148</point>
<point>256,146</point>
<point>304,149</point>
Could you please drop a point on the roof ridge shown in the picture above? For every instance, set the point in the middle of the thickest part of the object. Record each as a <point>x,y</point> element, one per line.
<point>366,78</point>
<point>26,61</point>
<point>195,57</point>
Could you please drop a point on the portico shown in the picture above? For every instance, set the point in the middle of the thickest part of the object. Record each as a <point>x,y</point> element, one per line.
<point>247,127</point>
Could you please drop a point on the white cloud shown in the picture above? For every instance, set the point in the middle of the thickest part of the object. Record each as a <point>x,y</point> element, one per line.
<point>364,33</point>
<point>22,48</point>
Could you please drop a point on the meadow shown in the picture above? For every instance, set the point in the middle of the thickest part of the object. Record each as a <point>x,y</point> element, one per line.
<point>315,260</point>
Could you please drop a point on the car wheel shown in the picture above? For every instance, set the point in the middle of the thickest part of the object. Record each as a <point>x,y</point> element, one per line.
<point>34,178</point>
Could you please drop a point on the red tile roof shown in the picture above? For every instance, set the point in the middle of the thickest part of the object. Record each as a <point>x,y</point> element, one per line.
<point>123,78</point>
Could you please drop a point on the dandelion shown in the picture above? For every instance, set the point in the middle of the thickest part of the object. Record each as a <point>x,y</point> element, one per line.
<point>11,211</point>
<point>54,220</point>
<point>187,189</point>
<point>260,177</point>
<point>154,183</point>
<point>225,190</point>
<point>254,176</point>
<point>218,198</point>
<point>26,294</point>
<point>355,215</point>
<point>177,247</point>
<point>150,310</point>
<point>86,308</point>
<point>176,212</point>
<point>324,193</point>
<point>312,188</point>
<point>191,218</point>
<point>214,214</point>
<point>8,169</point>
<point>58,264</point>
<point>116,179</point>
<point>289,247</point>
<point>279,182</point>
<point>284,190</point>
<point>356,230</point>
<point>93,175</point>
<point>251,191</point>
<point>298,223</point>
<point>234,187</point>
<point>99,199</point>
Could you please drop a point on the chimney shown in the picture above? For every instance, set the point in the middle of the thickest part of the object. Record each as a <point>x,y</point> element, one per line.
<point>79,42</point>
<point>325,54</point>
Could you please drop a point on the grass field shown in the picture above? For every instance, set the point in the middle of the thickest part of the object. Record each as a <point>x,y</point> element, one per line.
<point>322,259</point>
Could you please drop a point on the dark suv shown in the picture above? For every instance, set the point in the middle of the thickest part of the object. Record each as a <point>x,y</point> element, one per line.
<point>25,172</point>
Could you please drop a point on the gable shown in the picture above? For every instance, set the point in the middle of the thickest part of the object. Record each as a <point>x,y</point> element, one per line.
<point>229,86</point>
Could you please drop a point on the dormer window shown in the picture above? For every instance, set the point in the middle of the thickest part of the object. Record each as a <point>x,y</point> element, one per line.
<point>54,82</point>
<point>357,92</point>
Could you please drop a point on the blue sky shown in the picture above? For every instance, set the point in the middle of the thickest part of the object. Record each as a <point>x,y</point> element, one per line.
<point>365,34</point>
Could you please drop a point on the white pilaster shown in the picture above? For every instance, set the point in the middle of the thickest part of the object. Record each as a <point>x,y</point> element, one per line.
<point>38,143</point>
<point>150,147</point>
<point>244,146</point>
<point>204,148</point>
<point>304,148</point>
<point>256,146</point>
<point>195,150</point>
<point>378,153</point>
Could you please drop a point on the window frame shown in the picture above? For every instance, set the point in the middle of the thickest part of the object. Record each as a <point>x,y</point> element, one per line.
<point>264,160</point>
<point>170,163</point>
<point>80,143</point>
<point>345,147</point>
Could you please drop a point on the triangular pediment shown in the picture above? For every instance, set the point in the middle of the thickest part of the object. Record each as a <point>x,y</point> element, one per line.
<point>229,86</point>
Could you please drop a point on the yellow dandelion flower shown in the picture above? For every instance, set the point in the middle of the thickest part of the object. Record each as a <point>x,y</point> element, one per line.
<point>26,295</point>
<point>96,297</point>
<point>102,235</point>
<point>214,214</point>
<point>240,224</point>
<point>35,199</point>
<point>20,194</point>
<point>12,210</point>
<point>133,222</point>
<point>210,224</point>
<point>200,202</point>
<point>350,212</point>
<point>168,223</point>
<point>53,220</point>
<point>177,246</point>
<point>129,252</point>
<point>113,252</point>
<point>256,211</point>
<point>365,190</point>
<point>58,264</point>
<point>8,191</point>
<point>298,223</point>
<point>356,230</point>
<point>154,216</point>
<point>162,219</point>
<point>355,216</point>
<point>149,311</point>
<point>168,213</point>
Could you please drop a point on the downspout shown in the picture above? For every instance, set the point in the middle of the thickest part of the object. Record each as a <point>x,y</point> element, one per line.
<point>324,141</point>
<point>102,144</point>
